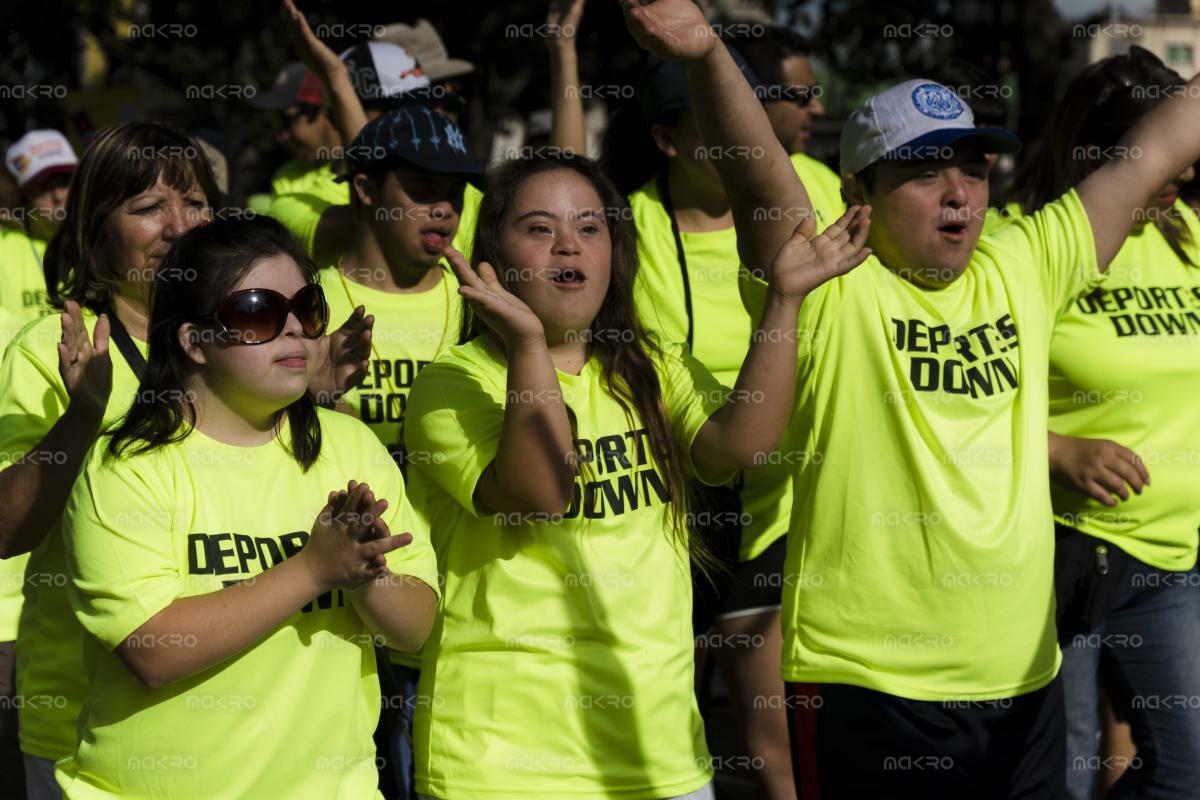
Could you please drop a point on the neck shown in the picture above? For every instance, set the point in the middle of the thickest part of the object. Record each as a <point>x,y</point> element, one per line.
<point>230,422</point>
<point>372,265</point>
<point>132,314</point>
<point>568,355</point>
<point>700,204</point>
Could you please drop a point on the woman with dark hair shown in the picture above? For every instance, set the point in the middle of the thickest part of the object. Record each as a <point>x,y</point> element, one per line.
<point>1123,382</point>
<point>687,292</point>
<point>552,451</point>
<point>137,189</point>
<point>214,556</point>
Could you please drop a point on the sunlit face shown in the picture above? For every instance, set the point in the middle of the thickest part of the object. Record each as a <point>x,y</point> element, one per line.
<point>141,230</point>
<point>557,251</point>
<point>926,216</point>
<point>414,212</point>
<point>791,119</point>
<point>259,379</point>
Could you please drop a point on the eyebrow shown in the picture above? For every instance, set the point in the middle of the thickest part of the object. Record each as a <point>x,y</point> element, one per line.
<point>535,213</point>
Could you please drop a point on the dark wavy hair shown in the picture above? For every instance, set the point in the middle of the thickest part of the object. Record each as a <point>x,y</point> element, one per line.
<point>197,273</point>
<point>625,358</point>
<point>1100,105</point>
<point>122,161</point>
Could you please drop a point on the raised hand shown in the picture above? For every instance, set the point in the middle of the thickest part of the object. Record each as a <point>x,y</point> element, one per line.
<point>1098,468</point>
<point>315,54</point>
<point>346,548</point>
<point>342,358</point>
<point>503,311</point>
<point>84,364</point>
<point>674,30</point>
<point>805,261</point>
<point>562,21</point>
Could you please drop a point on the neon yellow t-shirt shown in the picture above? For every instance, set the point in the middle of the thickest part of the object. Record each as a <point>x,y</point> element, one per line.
<point>561,664</point>
<point>50,675</point>
<point>722,322</point>
<point>920,560</point>
<point>1125,366</point>
<point>296,177</point>
<point>410,330</point>
<point>291,716</point>
<point>22,282</point>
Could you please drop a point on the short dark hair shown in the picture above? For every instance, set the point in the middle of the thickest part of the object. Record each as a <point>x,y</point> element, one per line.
<point>766,47</point>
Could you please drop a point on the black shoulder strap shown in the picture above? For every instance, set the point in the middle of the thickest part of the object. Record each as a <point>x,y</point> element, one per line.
<point>664,195</point>
<point>124,342</point>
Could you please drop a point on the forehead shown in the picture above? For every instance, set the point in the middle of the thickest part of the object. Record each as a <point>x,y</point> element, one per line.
<point>279,272</point>
<point>797,70</point>
<point>556,190</point>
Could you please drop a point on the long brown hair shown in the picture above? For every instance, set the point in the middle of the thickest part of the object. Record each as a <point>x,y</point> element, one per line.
<point>618,341</point>
<point>121,162</point>
<point>1085,130</point>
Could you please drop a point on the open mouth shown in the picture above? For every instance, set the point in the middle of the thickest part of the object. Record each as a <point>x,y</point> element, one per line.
<point>954,231</point>
<point>435,240</point>
<point>568,277</point>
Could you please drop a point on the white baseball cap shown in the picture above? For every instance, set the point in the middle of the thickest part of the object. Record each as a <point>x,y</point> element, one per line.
<point>39,154</point>
<point>382,71</point>
<point>914,121</point>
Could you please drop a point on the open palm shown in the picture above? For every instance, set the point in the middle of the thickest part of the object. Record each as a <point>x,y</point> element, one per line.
<point>502,310</point>
<point>805,261</point>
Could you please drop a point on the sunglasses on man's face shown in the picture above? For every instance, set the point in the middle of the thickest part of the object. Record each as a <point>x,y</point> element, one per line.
<point>256,316</point>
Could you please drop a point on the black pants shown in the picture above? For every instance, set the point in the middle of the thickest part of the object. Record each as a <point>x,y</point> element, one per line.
<point>850,743</point>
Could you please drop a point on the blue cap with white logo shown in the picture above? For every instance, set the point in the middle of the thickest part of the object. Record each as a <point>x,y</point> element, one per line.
<point>915,121</point>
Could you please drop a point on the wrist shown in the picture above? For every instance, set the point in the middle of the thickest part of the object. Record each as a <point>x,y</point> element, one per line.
<point>84,417</point>
<point>315,582</point>
<point>778,300</point>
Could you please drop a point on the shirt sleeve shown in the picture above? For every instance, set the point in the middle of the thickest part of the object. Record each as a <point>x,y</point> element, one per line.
<point>300,214</point>
<point>32,398</point>
<point>417,558</point>
<point>452,428</point>
<point>691,395</point>
<point>1063,249</point>
<point>119,543</point>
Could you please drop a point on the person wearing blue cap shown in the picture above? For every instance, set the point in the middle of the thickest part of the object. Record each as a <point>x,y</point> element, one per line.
<point>919,634</point>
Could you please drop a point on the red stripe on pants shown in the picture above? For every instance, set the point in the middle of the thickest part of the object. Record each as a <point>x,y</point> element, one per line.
<point>804,700</point>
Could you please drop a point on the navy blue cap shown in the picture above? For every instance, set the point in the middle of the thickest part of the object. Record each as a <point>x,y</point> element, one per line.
<point>420,136</point>
<point>663,87</point>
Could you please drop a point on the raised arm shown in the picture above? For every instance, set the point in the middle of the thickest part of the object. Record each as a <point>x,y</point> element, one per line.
<point>348,114</point>
<point>1162,144</point>
<point>533,471</point>
<point>568,127</point>
<point>755,169</point>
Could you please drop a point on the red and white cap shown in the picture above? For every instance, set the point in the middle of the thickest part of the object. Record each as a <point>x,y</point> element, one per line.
<point>38,155</point>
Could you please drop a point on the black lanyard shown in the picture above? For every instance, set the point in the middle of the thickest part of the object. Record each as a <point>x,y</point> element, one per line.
<point>124,342</point>
<point>664,196</point>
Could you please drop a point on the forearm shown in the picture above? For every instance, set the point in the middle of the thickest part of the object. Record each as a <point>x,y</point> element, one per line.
<point>743,432</point>
<point>398,608</point>
<point>753,167</point>
<point>34,489</point>
<point>568,127</point>
<point>348,115</point>
<point>533,470</point>
<point>195,633</point>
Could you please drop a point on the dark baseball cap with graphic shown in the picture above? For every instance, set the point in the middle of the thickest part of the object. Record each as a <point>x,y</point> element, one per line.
<point>420,136</point>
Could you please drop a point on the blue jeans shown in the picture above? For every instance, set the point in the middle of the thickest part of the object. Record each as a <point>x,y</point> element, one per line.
<point>401,745</point>
<point>1146,653</point>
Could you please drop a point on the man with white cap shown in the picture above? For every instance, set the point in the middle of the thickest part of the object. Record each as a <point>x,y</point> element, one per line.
<point>918,610</point>
<point>42,162</point>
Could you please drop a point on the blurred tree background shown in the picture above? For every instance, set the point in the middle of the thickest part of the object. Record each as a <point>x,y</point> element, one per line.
<point>123,58</point>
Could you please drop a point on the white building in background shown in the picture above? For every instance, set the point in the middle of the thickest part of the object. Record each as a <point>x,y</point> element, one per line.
<point>1172,33</point>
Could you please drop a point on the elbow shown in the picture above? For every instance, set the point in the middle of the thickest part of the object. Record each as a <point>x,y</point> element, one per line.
<point>144,666</point>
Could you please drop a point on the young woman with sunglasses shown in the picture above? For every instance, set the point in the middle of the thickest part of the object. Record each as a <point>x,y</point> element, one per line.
<point>235,551</point>
<point>138,188</point>
<point>1124,377</point>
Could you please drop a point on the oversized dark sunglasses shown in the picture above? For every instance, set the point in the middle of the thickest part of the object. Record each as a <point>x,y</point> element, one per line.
<point>256,316</point>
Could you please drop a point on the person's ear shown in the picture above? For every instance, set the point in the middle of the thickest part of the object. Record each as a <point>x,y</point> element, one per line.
<point>190,336</point>
<point>853,192</point>
<point>664,139</point>
<point>364,189</point>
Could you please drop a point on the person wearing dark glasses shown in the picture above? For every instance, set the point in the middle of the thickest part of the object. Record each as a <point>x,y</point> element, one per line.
<point>139,187</point>
<point>1124,377</point>
<point>234,548</point>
